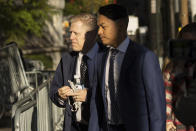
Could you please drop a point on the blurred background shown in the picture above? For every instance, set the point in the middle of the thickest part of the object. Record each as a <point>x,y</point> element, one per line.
<point>40,27</point>
<point>35,33</point>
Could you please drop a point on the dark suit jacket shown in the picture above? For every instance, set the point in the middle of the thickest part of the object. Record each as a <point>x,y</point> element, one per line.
<point>64,72</point>
<point>141,92</point>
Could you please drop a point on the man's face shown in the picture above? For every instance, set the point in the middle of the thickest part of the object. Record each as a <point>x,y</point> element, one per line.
<point>108,30</point>
<point>77,36</point>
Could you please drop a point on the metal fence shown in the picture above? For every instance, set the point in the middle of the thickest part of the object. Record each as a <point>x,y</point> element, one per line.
<point>13,81</point>
<point>29,103</point>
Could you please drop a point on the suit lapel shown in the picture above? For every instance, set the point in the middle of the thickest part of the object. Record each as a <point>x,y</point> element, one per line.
<point>102,70</point>
<point>128,58</point>
<point>72,66</point>
<point>104,61</point>
<point>74,63</point>
<point>91,71</point>
<point>129,55</point>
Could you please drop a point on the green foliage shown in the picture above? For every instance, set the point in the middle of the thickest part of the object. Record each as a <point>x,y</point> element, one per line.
<point>83,6</point>
<point>21,18</point>
<point>47,60</point>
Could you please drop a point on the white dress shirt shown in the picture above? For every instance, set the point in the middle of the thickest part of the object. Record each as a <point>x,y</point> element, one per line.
<point>117,68</point>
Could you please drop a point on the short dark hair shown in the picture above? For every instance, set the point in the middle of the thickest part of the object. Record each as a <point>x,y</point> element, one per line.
<point>189,28</point>
<point>113,11</point>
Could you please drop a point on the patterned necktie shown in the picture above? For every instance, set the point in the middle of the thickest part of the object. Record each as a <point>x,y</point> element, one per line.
<point>84,71</point>
<point>112,89</point>
<point>85,112</point>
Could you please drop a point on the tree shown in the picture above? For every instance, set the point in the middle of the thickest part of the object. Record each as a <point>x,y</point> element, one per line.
<point>22,18</point>
<point>83,6</point>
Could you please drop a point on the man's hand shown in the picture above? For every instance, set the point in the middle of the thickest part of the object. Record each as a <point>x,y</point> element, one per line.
<point>79,95</point>
<point>64,92</point>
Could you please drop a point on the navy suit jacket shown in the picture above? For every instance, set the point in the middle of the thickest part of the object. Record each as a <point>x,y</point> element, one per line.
<point>141,92</point>
<point>65,71</point>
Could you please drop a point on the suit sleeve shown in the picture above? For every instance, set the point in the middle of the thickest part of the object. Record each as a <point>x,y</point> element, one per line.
<point>57,83</point>
<point>155,92</point>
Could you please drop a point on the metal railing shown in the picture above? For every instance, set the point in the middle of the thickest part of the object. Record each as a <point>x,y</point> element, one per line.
<point>13,82</point>
<point>27,103</point>
<point>25,95</point>
<point>39,108</point>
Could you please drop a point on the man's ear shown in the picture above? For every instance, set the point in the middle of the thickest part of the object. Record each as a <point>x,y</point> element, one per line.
<point>90,39</point>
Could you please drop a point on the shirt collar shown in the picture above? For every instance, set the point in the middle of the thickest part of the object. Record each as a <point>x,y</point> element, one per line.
<point>123,46</point>
<point>92,52</point>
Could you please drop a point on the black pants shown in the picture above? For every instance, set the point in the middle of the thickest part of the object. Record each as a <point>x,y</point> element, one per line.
<point>76,126</point>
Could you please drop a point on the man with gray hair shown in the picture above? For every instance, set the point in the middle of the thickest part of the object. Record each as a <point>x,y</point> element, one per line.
<point>74,76</point>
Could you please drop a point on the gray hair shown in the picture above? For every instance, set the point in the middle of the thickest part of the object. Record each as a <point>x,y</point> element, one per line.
<point>87,19</point>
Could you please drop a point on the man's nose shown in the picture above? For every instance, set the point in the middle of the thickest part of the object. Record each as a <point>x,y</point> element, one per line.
<point>71,36</point>
<point>100,31</point>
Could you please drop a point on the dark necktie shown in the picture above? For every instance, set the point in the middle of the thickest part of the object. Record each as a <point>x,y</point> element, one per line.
<point>85,80</point>
<point>84,71</point>
<point>113,91</point>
